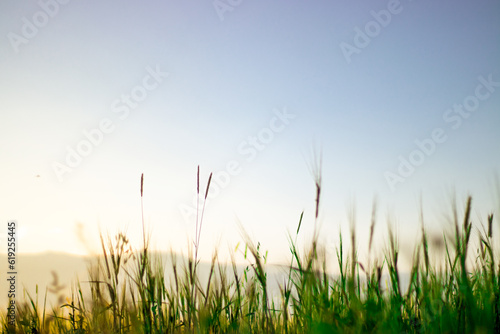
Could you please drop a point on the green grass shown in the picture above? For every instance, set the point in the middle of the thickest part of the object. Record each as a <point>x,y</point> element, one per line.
<point>130,292</point>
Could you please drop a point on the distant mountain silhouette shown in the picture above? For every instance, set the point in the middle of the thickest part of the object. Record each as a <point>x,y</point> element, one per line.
<point>56,273</point>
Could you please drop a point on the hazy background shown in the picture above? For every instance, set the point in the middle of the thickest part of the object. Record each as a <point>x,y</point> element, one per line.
<point>232,65</point>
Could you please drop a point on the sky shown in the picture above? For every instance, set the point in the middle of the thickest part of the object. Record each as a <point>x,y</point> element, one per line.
<point>398,99</point>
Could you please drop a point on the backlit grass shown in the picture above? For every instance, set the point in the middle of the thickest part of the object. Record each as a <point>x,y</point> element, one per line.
<point>131,291</point>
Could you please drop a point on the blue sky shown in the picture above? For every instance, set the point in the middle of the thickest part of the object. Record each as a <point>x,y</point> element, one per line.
<point>222,77</point>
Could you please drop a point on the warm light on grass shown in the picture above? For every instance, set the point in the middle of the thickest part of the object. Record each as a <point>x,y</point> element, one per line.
<point>130,292</point>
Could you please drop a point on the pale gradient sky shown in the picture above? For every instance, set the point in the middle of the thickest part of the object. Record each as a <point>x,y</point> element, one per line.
<point>226,80</point>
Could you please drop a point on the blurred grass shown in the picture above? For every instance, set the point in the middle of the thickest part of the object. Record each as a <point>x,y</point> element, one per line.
<point>130,292</point>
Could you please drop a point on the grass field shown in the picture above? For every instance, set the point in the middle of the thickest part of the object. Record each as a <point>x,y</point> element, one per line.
<point>130,292</point>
